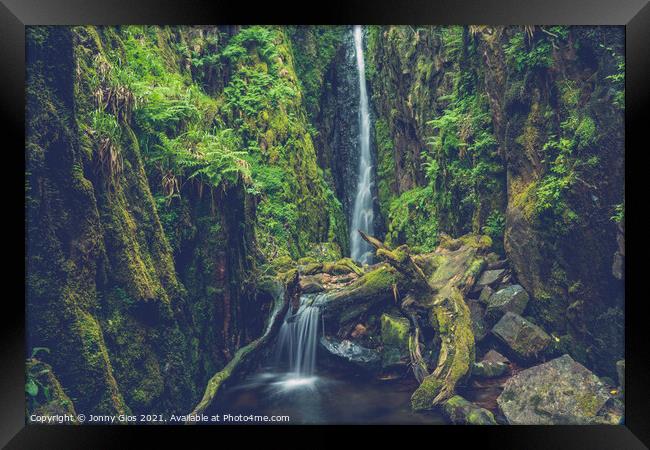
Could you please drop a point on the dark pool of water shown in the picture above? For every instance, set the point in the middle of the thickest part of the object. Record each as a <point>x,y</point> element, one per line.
<point>328,398</point>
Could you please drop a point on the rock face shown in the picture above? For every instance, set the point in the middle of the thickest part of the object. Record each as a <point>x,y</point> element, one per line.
<point>462,412</point>
<point>526,340</point>
<point>394,337</point>
<point>353,353</point>
<point>561,391</point>
<point>510,299</point>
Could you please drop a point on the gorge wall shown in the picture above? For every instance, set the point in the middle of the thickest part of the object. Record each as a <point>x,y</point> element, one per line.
<point>515,132</point>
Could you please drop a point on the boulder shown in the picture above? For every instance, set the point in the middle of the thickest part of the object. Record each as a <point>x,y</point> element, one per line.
<point>463,412</point>
<point>488,278</point>
<point>561,391</point>
<point>510,299</point>
<point>525,339</point>
<point>477,313</point>
<point>352,353</point>
<point>395,340</point>
<point>486,293</point>
<point>493,365</point>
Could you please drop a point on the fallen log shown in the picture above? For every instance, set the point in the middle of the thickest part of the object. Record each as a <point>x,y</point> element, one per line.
<point>442,296</point>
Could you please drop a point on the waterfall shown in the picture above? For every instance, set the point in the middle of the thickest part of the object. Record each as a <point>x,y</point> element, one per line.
<point>298,338</point>
<point>362,213</point>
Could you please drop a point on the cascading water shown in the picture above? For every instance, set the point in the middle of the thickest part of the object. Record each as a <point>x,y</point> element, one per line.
<point>362,213</point>
<point>298,341</point>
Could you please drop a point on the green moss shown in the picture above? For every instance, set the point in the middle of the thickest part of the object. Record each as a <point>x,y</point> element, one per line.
<point>395,330</point>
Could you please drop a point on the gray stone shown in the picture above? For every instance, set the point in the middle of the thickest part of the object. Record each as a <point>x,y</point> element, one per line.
<point>561,391</point>
<point>526,340</point>
<point>489,277</point>
<point>510,299</point>
<point>352,353</point>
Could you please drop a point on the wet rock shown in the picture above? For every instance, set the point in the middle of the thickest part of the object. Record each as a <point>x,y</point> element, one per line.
<point>561,391</point>
<point>486,293</point>
<point>477,313</point>
<point>352,353</point>
<point>463,412</point>
<point>511,299</point>
<point>525,339</point>
<point>488,278</point>
<point>493,365</point>
<point>394,336</point>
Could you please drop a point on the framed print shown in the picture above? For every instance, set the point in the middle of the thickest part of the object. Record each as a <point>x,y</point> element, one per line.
<point>365,216</point>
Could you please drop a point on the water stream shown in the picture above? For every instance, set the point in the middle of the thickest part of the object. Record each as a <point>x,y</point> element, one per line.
<point>362,213</point>
<point>293,384</point>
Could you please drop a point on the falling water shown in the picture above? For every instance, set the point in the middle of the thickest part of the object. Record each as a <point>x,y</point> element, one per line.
<point>362,214</point>
<point>298,339</point>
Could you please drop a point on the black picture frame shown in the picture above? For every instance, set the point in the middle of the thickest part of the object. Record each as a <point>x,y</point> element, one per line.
<point>16,14</point>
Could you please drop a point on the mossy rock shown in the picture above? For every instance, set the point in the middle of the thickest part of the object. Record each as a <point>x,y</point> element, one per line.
<point>476,241</point>
<point>395,339</point>
<point>561,391</point>
<point>463,412</point>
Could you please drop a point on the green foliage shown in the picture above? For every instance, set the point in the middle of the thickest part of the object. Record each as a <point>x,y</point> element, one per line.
<point>618,78</point>
<point>412,220</point>
<point>494,227</point>
<point>385,165</point>
<point>619,213</point>
<point>569,158</point>
<point>314,48</point>
<point>33,385</point>
<point>463,166</point>
<point>525,52</point>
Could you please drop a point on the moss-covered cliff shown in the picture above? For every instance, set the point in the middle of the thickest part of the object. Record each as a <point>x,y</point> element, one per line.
<point>164,164</point>
<point>515,132</point>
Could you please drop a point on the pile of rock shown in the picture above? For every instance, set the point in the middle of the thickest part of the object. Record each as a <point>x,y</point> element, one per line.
<point>559,391</point>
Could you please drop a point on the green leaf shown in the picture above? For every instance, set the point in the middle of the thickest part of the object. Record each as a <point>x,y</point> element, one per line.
<point>31,388</point>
